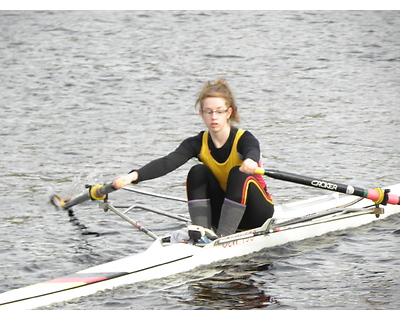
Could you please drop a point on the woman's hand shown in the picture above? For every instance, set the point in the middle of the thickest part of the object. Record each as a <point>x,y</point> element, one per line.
<point>123,181</point>
<point>248,166</point>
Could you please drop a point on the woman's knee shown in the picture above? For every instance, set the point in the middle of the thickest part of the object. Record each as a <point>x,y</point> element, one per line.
<point>236,175</point>
<point>197,182</point>
<point>198,172</point>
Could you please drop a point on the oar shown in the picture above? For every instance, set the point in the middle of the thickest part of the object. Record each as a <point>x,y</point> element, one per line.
<point>98,192</point>
<point>379,196</point>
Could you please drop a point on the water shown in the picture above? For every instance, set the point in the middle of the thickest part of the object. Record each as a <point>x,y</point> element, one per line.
<point>87,95</point>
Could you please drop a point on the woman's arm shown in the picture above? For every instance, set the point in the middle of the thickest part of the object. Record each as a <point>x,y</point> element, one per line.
<point>249,147</point>
<point>188,149</point>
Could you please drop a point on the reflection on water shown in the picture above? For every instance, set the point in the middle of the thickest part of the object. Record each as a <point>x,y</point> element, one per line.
<point>233,288</point>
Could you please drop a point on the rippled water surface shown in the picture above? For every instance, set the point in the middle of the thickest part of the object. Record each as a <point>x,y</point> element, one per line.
<point>87,95</point>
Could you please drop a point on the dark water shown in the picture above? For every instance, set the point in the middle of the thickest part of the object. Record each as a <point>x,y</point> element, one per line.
<point>87,95</point>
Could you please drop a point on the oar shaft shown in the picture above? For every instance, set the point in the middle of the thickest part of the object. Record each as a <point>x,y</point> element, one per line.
<point>99,192</point>
<point>372,194</point>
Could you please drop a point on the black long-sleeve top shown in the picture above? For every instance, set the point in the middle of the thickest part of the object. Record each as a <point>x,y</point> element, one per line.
<point>248,147</point>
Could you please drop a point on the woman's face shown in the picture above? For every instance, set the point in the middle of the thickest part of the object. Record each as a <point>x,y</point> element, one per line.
<point>215,114</point>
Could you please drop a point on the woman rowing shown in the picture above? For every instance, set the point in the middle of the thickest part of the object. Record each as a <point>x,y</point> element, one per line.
<point>223,192</point>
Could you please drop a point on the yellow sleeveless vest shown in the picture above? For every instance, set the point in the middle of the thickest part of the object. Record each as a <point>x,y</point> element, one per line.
<point>221,170</point>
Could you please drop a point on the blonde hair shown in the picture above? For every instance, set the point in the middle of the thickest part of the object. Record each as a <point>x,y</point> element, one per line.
<point>219,89</point>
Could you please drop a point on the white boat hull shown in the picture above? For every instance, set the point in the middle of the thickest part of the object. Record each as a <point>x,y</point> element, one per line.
<point>161,260</point>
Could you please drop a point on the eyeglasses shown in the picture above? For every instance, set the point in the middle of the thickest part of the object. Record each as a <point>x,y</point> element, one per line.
<point>217,112</point>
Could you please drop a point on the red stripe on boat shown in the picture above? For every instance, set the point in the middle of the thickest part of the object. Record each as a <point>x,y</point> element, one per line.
<point>84,280</point>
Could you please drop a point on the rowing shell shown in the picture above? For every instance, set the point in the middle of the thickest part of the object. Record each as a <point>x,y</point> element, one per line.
<point>292,222</point>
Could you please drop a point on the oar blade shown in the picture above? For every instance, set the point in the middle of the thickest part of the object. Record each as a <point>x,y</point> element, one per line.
<point>57,201</point>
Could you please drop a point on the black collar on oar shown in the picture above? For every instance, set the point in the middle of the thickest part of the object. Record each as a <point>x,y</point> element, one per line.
<point>379,196</point>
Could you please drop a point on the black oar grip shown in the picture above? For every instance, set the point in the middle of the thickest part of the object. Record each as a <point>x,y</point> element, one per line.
<point>312,182</point>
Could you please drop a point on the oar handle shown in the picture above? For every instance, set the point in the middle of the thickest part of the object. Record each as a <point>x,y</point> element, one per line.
<point>377,195</point>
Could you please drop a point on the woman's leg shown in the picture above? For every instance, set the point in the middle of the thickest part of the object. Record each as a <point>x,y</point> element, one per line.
<point>246,206</point>
<point>204,210</point>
